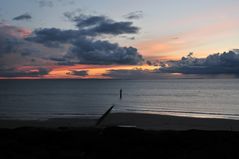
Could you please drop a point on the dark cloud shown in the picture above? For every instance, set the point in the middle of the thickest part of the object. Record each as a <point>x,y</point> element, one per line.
<point>26,73</point>
<point>53,37</point>
<point>15,51</point>
<point>85,48</point>
<point>141,74</point>
<point>63,61</point>
<point>88,26</point>
<point>131,74</point>
<point>45,3</point>
<point>78,73</point>
<point>134,15</point>
<point>225,63</point>
<point>97,25</point>
<point>9,45</point>
<point>115,28</point>
<point>154,75</point>
<point>9,39</point>
<point>104,52</point>
<point>25,16</point>
<point>84,21</point>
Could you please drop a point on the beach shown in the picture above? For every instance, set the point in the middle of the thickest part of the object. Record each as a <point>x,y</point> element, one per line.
<point>138,120</point>
<point>166,122</point>
<point>120,135</point>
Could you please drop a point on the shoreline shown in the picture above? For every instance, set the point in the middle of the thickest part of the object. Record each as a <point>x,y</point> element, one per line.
<point>137,120</point>
<point>167,122</point>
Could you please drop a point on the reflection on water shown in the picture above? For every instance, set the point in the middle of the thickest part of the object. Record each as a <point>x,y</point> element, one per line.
<point>211,98</point>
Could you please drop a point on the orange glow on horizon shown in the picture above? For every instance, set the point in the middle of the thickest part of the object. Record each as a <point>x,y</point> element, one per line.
<point>94,71</point>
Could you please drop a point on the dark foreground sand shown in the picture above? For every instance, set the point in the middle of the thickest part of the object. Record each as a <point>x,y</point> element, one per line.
<point>138,120</point>
<point>75,138</point>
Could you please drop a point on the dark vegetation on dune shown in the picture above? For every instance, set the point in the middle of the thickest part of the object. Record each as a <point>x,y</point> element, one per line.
<point>28,143</point>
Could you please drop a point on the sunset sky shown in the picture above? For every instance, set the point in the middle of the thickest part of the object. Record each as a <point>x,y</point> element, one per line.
<point>129,39</point>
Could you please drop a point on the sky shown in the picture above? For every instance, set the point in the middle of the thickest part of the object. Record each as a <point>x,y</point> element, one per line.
<point>124,39</point>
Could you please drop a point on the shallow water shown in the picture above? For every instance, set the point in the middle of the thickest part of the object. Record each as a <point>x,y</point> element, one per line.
<point>42,99</point>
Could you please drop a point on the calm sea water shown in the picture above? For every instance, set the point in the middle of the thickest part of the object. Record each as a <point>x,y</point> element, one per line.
<point>43,99</point>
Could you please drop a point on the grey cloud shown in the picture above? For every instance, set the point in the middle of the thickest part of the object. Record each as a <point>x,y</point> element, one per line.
<point>87,26</point>
<point>137,74</point>
<point>57,59</point>
<point>134,15</point>
<point>17,73</point>
<point>104,52</point>
<point>154,75</point>
<point>12,42</point>
<point>225,63</point>
<point>78,73</point>
<point>84,21</point>
<point>15,51</point>
<point>53,37</point>
<point>25,16</point>
<point>85,47</point>
<point>115,28</point>
<point>63,61</point>
<point>9,43</point>
<point>97,25</point>
<point>71,14</point>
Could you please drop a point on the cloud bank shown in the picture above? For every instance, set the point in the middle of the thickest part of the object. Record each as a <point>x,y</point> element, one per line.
<point>24,73</point>
<point>225,63</point>
<point>44,48</point>
<point>27,53</point>
<point>86,48</point>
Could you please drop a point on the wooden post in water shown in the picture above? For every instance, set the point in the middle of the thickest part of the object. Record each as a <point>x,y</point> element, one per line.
<point>120,93</point>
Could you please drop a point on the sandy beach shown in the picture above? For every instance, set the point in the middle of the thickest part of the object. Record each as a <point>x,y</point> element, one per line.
<point>165,122</point>
<point>137,120</point>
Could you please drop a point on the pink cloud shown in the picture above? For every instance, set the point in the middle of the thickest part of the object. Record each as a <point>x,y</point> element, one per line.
<point>14,31</point>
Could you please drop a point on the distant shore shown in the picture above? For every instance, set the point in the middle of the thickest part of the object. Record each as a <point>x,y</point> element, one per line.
<point>138,120</point>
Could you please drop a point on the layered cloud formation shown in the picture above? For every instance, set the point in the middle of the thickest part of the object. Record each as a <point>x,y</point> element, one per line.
<point>46,47</point>
<point>11,39</point>
<point>225,63</point>
<point>24,73</point>
<point>37,53</point>
<point>85,46</point>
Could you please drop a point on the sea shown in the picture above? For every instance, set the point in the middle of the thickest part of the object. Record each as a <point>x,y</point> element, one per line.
<point>45,99</point>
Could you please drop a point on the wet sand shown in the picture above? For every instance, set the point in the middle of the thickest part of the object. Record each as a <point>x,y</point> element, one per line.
<point>165,122</point>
